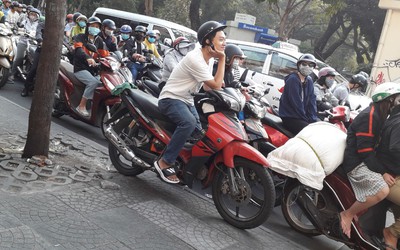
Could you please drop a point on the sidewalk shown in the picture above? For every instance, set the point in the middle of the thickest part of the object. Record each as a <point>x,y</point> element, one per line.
<point>80,202</point>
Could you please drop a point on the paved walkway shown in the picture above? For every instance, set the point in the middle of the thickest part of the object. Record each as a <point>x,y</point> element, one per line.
<point>79,202</point>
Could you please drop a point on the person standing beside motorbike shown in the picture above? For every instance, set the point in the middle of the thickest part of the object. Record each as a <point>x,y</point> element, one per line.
<point>176,100</point>
<point>79,28</point>
<point>297,105</point>
<point>84,61</point>
<point>134,48</point>
<point>107,34</point>
<point>342,91</point>
<point>150,43</point>
<point>365,171</point>
<point>30,77</point>
<point>13,15</point>
<point>29,24</point>
<point>325,99</point>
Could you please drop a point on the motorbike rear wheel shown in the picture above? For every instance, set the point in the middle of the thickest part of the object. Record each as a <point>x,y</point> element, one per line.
<point>293,213</point>
<point>255,200</point>
<point>4,76</point>
<point>122,165</point>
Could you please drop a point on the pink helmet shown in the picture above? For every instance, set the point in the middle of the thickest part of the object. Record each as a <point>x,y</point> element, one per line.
<point>327,71</point>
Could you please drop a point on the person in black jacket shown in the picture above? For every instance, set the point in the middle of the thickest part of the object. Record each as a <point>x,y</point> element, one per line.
<point>367,175</point>
<point>107,34</point>
<point>84,61</point>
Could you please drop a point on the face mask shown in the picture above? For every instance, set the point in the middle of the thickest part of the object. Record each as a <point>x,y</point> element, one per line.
<point>235,63</point>
<point>33,18</point>
<point>108,32</point>
<point>305,70</point>
<point>184,51</point>
<point>94,31</point>
<point>329,82</point>
<point>125,36</point>
<point>151,39</point>
<point>139,36</point>
<point>82,24</point>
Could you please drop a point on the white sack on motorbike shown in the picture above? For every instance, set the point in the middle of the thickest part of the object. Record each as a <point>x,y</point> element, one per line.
<point>314,153</point>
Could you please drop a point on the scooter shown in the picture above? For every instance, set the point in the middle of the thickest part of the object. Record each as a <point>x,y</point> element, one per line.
<point>69,91</point>
<point>6,53</point>
<point>149,77</point>
<point>242,189</point>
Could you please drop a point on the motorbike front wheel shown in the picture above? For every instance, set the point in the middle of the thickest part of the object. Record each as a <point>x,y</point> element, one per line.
<point>253,203</point>
<point>4,76</point>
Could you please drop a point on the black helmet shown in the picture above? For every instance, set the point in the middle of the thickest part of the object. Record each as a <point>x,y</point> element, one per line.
<point>109,24</point>
<point>232,51</point>
<point>307,58</point>
<point>140,28</point>
<point>94,19</point>
<point>359,79</point>
<point>207,29</point>
<point>75,16</point>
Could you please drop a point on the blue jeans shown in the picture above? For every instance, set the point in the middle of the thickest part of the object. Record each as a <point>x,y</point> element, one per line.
<point>90,81</point>
<point>187,120</point>
<point>135,67</point>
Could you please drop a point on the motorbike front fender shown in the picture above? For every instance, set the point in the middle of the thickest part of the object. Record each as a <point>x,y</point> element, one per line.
<point>4,63</point>
<point>244,150</point>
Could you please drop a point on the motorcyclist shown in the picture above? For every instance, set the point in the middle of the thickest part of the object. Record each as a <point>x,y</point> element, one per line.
<point>79,28</point>
<point>69,23</point>
<point>297,105</point>
<point>161,48</point>
<point>325,99</point>
<point>366,173</point>
<point>30,77</point>
<point>107,34</point>
<point>29,24</point>
<point>341,92</point>
<point>150,43</point>
<point>5,8</point>
<point>176,100</point>
<point>180,47</point>
<point>133,47</point>
<point>2,16</point>
<point>84,61</point>
<point>13,15</point>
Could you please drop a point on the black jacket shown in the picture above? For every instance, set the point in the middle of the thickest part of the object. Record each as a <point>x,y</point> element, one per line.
<point>389,147</point>
<point>131,46</point>
<point>362,140</point>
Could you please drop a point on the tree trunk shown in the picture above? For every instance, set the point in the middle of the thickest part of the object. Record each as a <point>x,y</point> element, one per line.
<point>38,139</point>
<point>334,24</point>
<point>194,14</point>
<point>148,5</point>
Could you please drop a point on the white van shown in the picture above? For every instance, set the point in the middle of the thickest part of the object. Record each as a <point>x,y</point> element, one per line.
<point>270,65</point>
<point>167,29</point>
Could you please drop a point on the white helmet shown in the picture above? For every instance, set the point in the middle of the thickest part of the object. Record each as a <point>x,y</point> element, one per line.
<point>385,90</point>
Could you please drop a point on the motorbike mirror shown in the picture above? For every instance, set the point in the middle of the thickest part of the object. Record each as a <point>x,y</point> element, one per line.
<point>91,47</point>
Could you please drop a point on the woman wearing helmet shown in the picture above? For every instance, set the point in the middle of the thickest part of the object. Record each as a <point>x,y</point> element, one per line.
<point>325,98</point>
<point>366,173</point>
<point>134,47</point>
<point>150,43</point>
<point>234,55</point>
<point>84,60</point>
<point>298,106</point>
<point>176,100</point>
<point>180,47</point>
<point>107,34</point>
<point>79,28</point>
<point>342,91</point>
<point>29,24</point>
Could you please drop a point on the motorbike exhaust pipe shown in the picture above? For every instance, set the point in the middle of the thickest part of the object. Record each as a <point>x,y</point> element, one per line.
<point>123,148</point>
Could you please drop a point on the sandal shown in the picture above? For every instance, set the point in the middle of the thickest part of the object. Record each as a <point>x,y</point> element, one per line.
<point>165,173</point>
<point>381,243</point>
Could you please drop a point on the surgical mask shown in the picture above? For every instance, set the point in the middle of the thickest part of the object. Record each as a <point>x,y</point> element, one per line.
<point>139,36</point>
<point>152,39</point>
<point>125,36</point>
<point>108,32</point>
<point>329,82</point>
<point>235,63</point>
<point>184,51</point>
<point>305,70</point>
<point>33,18</point>
<point>94,31</point>
<point>82,24</point>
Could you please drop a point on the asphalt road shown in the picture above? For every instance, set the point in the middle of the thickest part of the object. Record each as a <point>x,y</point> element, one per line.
<point>275,223</point>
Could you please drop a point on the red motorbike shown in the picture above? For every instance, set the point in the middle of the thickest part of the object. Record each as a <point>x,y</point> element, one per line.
<point>242,188</point>
<point>69,90</point>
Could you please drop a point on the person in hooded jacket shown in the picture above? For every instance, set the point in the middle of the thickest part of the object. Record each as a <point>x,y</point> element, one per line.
<point>85,61</point>
<point>297,105</point>
<point>325,98</point>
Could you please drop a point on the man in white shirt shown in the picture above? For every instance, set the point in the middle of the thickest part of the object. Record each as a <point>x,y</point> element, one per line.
<point>176,100</point>
<point>13,14</point>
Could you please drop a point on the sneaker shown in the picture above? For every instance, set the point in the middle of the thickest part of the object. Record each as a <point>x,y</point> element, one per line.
<point>83,113</point>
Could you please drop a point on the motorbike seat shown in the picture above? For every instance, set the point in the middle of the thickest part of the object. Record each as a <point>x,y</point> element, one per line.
<point>153,86</point>
<point>148,104</point>
<point>68,70</point>
<point>276,122</point>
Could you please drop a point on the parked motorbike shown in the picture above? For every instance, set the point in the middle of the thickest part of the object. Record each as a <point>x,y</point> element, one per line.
<point>27,62</point>
<point>69,90</point>
<point>6,53</point>
<point>150,76</point>
<point>242,189</point>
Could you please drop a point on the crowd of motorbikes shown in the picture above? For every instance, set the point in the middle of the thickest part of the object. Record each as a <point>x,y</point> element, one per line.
<point>230,158</point>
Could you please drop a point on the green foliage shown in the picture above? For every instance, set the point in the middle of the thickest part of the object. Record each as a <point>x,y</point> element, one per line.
<point>89,6</point>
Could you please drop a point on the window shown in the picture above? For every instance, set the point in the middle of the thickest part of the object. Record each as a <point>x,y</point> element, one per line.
<point>255,57</point>
<point>163,33</point>
<point>121,21</point>
<point>282,65</point>
<point>177,33</point>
